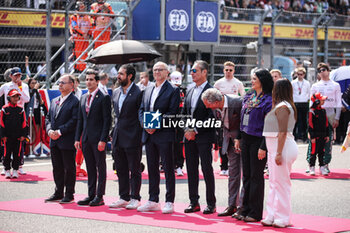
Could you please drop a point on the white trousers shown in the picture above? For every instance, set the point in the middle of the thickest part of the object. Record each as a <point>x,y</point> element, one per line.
<point>278,204</point>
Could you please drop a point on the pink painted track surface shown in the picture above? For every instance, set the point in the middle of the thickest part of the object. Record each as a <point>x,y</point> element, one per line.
<point>178,220</point>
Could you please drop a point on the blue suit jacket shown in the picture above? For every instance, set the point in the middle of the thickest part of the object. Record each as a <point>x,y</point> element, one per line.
<point>94,127</point>
<point>167,103</point>
<point>65,121</point>
<point>127,129</point>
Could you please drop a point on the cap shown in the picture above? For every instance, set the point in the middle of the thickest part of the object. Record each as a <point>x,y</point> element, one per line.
<point>13,92</point>
<point>318,96</point>
<point>15,71</point>
<point>176,78</point>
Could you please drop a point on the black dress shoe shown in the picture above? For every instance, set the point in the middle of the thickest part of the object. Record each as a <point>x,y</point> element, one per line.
<point>86,201</point>
<point>193,208</point>
<point>228,211</point>
<point>54,198</point>
<point>209,210</point>
<point>67,200</point>
<point>98,201</point>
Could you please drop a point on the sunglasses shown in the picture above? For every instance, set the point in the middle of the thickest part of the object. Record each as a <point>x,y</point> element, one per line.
<point>228,70</point>
<point>194,70</point>
<point>321,70</point>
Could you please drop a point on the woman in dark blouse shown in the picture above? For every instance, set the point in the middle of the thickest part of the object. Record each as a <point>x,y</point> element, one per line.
<point>256,104</point>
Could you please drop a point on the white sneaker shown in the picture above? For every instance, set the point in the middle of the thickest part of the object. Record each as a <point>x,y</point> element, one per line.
<point>323,171</point>
<point>327,168</point>
<point>133,204</point>
<point>43,156</point>
<point>3,172</point>
<point>168,208</point>
<point>21,171</point>
<point>223,172</point>
<point>307,169</point>
<point>312,171</point>
<point>266,222</point>
<point>226,173</point>
<point>119,204</point>
<point>149,206</point>
<point>8,174</point>
<point>179,172</point>
<point>15,174</point>
<point>32,156</point>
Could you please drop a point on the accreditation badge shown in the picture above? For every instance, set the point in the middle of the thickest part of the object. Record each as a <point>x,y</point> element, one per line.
<point>246,119</point>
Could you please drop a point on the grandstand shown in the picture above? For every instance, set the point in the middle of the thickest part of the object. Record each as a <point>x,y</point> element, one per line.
<point>244,34</point>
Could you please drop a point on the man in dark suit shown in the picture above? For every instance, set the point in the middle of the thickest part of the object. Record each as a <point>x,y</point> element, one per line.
<point>163,98</point>
<point>61,122</point>
<point>126,142</point>
<point>198,141</point>
<point>227,108</point>
<point>94,121</point>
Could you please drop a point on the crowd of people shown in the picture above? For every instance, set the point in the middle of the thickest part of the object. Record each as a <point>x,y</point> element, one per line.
<point>256,129</point>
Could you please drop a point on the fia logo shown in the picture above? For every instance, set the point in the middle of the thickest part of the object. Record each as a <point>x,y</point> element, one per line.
<point>178,20</point>
<point>151,120</point>
<point>205,22</point>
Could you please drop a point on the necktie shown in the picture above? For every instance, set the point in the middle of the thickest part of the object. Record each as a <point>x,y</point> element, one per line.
<point>88,103</point>
<point>218,115</point>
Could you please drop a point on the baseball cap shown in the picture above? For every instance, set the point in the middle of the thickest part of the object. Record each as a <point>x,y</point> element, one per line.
<point>16,70</point>
<point>176,78</point>
<point>13,92</point>
<point>318,96</point>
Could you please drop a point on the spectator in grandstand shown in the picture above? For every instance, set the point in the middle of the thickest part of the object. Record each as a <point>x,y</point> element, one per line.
<point>282,152</point>
<point>144,81</point>
<point>276,74</point>
<point>102,84</point>
<point>126,143</point>
<point>101,22</point>
<point>256,105</point>
<point>229,84</point>
<point>94,119</point>
<point>332,105</point>
<point>301,94</point>
<point>80,29</point>
<point>61,123</point>
<point>228,109</point>
<point>13,132</point>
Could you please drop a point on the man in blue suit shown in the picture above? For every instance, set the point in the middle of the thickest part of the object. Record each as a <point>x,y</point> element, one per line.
<point>127,138</point>
<point>61,122</point>
<point>94,121</point>
<point>198,141</point>
<point>163,98</point>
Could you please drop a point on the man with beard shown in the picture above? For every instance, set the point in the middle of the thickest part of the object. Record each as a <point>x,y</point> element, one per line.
<point>127,140</point>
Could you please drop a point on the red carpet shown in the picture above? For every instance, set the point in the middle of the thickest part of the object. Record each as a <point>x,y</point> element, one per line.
<point>179,220</point>
<point>296,174</point>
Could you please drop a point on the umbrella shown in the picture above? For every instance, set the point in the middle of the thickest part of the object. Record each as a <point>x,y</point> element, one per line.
<point>122,52</point>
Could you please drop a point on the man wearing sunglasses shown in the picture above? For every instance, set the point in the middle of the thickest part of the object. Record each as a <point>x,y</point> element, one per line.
<point>332,105</point>
<point>301,94</point>
<point>229,84</point>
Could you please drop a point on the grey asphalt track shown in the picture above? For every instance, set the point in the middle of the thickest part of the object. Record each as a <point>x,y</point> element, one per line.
<point>322,197</point>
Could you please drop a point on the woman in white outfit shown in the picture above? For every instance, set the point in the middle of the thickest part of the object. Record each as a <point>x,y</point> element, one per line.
<point>282,152</point>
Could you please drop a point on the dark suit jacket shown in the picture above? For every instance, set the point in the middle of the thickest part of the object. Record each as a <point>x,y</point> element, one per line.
<point>205,135</point>
<point>94,127</point>
<point>167,103</point>
<point>127,129</point>
<point>234,104</point>
<point>65,121</point>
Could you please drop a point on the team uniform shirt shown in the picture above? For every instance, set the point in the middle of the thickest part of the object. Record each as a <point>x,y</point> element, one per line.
<point>301,91</point>
<point>23,90</point>
<point>13,121</point>
<point>332,104</point>
<point>230,86</point>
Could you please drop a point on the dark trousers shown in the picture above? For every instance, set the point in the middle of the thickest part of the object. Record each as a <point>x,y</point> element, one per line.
<point>300,128</point>
<point>253,176</point>
<point>224,161</point>
<point>317,149</point>
<point>63,164</point>
<point>193,152</point>
<point>12,148</point>
<point>178,154</point>
<point>96,166</point>
<point>342,127</point>
<point>154,151</point>
<point>127,162</point>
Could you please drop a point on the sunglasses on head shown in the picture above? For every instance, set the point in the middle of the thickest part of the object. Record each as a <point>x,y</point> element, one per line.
<point>321,70</point>
<point>228,70</point>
